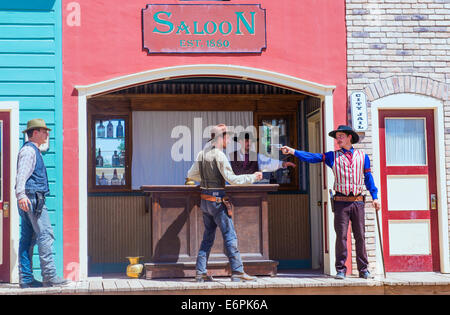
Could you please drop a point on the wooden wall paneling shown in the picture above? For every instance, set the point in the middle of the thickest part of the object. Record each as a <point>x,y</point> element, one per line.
<point>289,230</point>
<point>118,226</point>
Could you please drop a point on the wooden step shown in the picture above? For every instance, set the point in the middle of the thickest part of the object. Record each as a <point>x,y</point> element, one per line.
<point>215,268</point>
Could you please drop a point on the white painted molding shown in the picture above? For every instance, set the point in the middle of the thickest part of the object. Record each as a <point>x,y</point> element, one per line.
<point>415,101</point>
<point>212,70</point>
<point>13,108</point>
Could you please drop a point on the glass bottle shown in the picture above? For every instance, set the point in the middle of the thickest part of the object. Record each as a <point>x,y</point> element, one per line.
<point>115,179</point>
<point>99,159</point>
<point>115,161</point>
<point>282,128</point>
<point>103,180</point>
<point>119,130</point>
<point>122,158</point>
<point>101,130</point>
<point>109,130</point>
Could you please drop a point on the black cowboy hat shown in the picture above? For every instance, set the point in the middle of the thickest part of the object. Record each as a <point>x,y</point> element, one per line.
<point>346,129</point>
<point>247,135</point>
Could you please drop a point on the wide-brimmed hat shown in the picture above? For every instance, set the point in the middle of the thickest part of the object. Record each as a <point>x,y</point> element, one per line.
<point>36,123</point>
<point>346,129</point>
<point>245,135</point>
<point>218,131</point>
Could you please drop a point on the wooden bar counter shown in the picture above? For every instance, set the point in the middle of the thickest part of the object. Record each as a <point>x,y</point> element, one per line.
<point>177,231</point>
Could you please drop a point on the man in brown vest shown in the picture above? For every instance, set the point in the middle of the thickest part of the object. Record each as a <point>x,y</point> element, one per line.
<point>212,169</point>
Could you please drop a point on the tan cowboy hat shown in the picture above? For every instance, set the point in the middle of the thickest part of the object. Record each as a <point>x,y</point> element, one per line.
<point>36,124</point>
<point>218,131</point>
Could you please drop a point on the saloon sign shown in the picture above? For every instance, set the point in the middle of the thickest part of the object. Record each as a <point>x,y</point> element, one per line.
<point>204,28</point>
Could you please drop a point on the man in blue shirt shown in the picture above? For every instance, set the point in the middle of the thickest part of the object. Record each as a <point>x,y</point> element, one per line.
<point>351,169</point>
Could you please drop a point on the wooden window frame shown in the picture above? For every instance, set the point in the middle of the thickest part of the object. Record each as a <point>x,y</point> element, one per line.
<point>92,187</point>
<point>291,118</point>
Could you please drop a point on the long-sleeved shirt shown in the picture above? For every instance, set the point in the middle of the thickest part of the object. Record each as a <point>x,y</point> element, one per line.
<point>224,167</point>
<point>25,167</point>
<point>328,158</point>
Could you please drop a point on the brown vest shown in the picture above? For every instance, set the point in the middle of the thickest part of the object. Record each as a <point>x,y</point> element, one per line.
<point>209,173</point>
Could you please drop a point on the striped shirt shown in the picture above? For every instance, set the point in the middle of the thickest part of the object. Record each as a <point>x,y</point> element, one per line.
<point>328,159</point>
<point>348,172</point>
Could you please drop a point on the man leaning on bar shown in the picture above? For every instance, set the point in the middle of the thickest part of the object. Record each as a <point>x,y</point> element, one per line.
<point>212,169</point>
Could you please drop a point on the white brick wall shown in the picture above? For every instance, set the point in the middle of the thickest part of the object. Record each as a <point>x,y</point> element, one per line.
<point>398,46</point>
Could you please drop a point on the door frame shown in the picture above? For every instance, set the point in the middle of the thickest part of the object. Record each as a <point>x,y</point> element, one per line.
<point>422,262</point>
<point>415,102</point>
<point>13,108</point>
<point>324,92</point>
<point>317,259</point>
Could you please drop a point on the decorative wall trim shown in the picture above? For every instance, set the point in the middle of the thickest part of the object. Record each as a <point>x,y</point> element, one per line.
<point>407,84</point>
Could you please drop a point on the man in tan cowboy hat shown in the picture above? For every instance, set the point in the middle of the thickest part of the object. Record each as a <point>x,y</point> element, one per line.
<point>31,189</point>
<point>351,169</point>
<point>212,169</point>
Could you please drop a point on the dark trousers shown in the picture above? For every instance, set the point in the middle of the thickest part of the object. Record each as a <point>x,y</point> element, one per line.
<point>343,213</point>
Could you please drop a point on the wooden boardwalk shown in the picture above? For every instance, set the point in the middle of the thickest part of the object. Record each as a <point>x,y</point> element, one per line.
<point>295,283</point>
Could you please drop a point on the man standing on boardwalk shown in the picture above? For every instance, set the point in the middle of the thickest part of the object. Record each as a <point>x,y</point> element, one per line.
<point>351,169</point>
<point>31,189</point>
<point>212,169</point>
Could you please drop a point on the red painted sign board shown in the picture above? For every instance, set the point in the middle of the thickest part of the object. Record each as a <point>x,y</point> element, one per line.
<point>204,28</point>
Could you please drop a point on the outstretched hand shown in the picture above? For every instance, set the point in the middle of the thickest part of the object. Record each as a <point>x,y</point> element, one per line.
<point>287,150</point>
<point>289,164</point>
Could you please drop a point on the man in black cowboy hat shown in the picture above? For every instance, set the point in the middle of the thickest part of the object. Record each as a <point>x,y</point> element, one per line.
<point>247,161</point>
<point>351,169</point>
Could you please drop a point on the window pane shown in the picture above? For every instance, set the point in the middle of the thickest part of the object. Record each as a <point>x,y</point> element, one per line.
<point>405,142</point>
<point>110,152</point>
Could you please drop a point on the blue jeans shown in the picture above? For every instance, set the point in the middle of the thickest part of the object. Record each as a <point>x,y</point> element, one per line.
<point>215,215</point>
<point>36,229</point>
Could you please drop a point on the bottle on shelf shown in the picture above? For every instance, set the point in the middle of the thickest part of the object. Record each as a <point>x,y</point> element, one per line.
<point>110,130</point>
<point>115,179</point>
<point>119,130</point>
<point>282,127</point>
<point>99,159</point>
<point>101,130</point>
<point>122,158</point>
<point>115,160</point>
<point>103,180</point>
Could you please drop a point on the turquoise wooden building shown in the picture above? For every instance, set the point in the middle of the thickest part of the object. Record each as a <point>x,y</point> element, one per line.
<point>31,75</point>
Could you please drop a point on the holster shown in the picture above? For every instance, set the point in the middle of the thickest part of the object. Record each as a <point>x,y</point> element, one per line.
<point>227,202</point>
<point>40,202</point>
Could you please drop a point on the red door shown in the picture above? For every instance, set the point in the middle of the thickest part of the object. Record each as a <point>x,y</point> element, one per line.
<point>408,190</point>
<point>4,197</point>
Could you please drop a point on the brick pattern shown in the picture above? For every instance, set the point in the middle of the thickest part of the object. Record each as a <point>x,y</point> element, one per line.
<point>398,46</point>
